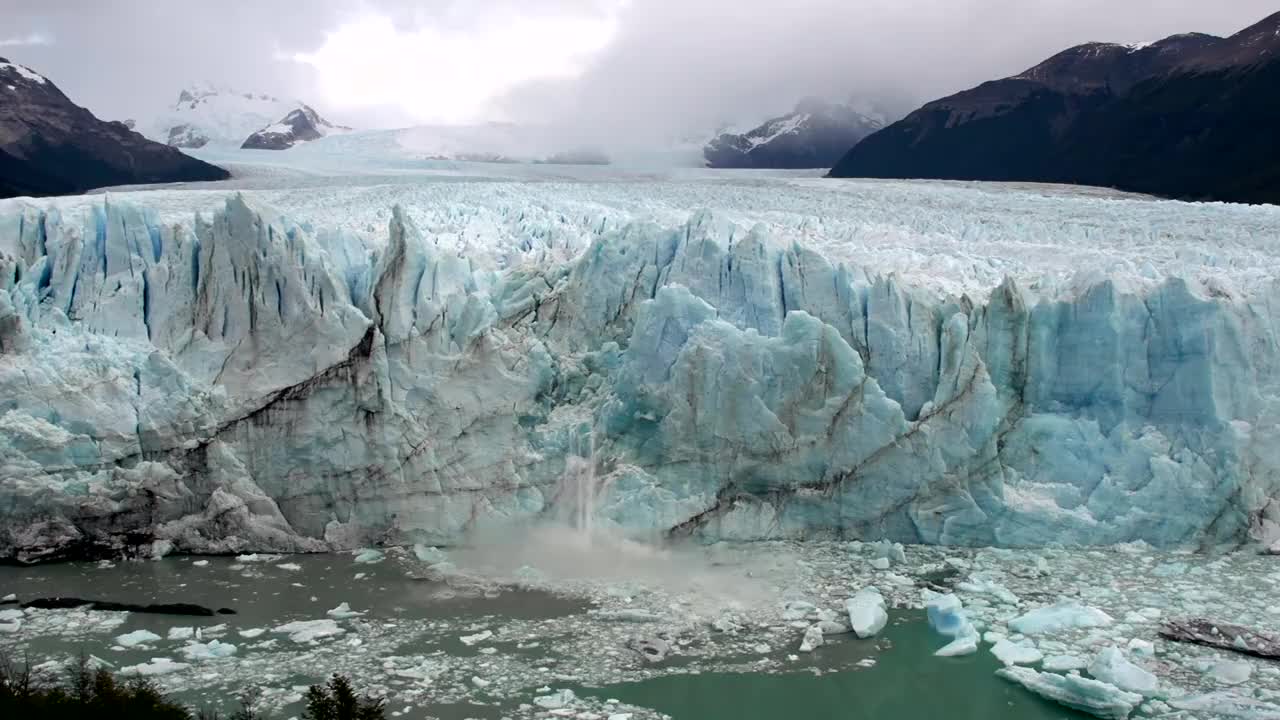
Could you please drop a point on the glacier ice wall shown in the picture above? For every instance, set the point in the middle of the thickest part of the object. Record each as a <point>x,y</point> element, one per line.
<point>241,382</point>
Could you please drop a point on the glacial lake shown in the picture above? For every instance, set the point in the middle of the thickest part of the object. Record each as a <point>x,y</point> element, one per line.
<point>906,683</point>
<point>404,615</point>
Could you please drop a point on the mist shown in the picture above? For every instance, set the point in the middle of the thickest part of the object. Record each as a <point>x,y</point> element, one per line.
<point>685,67</point>
<point>605,72</point>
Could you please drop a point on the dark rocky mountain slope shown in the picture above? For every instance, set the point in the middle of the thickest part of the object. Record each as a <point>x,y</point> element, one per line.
<point>1191,116</point>
<point>51,146</point>
<point>815,135</point>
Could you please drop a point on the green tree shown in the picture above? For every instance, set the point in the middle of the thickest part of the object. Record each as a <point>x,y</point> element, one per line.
<point>337,700</point>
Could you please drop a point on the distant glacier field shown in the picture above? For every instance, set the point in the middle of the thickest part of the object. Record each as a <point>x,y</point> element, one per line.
<point>319,357</point>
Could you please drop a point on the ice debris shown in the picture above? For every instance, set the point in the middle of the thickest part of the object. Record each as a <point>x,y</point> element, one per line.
<point>1056,618</point>
<point>369,556</point>
<point>947,617</point>
<point>343,612</point>
<point>211,650</point>
<point>812,639</point>
<point>981,586</point>
<point>556,700</point>
<point>155,666</point>
<point>479,637</point>
<point>429,555</point>
<point>1011,653</point>
<point>1227,704</point>
<point>1230,672</point>
<point>891,551</point>
<point>1092,696</point>
<point>309,631</point>
<point>136,638</point>
<point>1145,648</point>
<point>1064,663</point>
<point>867,614</point>
<point>798,610</point>
<point>652,649</point>
<point>962,645</point>
<point>1111,666</point>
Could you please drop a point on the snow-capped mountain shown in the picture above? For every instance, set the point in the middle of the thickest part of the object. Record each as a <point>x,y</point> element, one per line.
<point>814,135</point>
<point>51,146</point>
<point>1189,116</point>
<point>301,125</point>
<point>219,116</point>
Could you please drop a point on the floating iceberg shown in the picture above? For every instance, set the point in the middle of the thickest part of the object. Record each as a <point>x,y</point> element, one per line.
<point>1091,696</point>
<point>479,637</point>
<point>947,617</point>
<point>1064,615</point>
<point>137,638</point>
<point>1064,663</point>
<point>556,700</point>
<point>867,615</point>
<point>309,631</point>
<point>1111,666</point>
<point>156,666</point>
<point>235,380</point>
<point>211,650</point>
<point>343,612</point>
<point>962,645</point>
<point>1016,653</point>
<point>812,640</point>
<point>1230,672</point>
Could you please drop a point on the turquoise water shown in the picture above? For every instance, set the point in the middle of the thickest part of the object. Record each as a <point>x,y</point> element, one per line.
<point>906,683</point>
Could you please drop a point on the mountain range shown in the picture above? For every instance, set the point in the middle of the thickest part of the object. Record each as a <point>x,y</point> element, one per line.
<point>217,116</point>
<point>51,146</point>
<point>1191,116</point>
<point>206,114</point>
<point>301,125</point>
<point>814,135</point>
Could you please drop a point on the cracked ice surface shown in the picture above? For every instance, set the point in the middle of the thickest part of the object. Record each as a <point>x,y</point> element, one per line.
<point>307,368</point>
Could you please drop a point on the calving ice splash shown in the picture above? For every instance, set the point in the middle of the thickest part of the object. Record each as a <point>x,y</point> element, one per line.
<point>203,372</point>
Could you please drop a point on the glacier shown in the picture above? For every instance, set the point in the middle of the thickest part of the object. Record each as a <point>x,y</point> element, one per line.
<point>205,372</point>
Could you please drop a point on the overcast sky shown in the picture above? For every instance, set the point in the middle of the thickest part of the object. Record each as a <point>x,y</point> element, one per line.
<point>599,65</point>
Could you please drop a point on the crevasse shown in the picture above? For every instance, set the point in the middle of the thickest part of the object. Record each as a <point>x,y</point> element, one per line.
<point>241,382</point>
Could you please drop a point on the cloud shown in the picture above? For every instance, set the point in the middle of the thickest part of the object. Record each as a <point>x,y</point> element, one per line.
<point>448,67</point>
<point>684,67</point>
<point>598,68</point>
<point>34,38</point>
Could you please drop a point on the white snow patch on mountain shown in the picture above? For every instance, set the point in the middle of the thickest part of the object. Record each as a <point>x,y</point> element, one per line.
<point>778,128</point>
<point>218,114</point>
<point>26,72</point>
